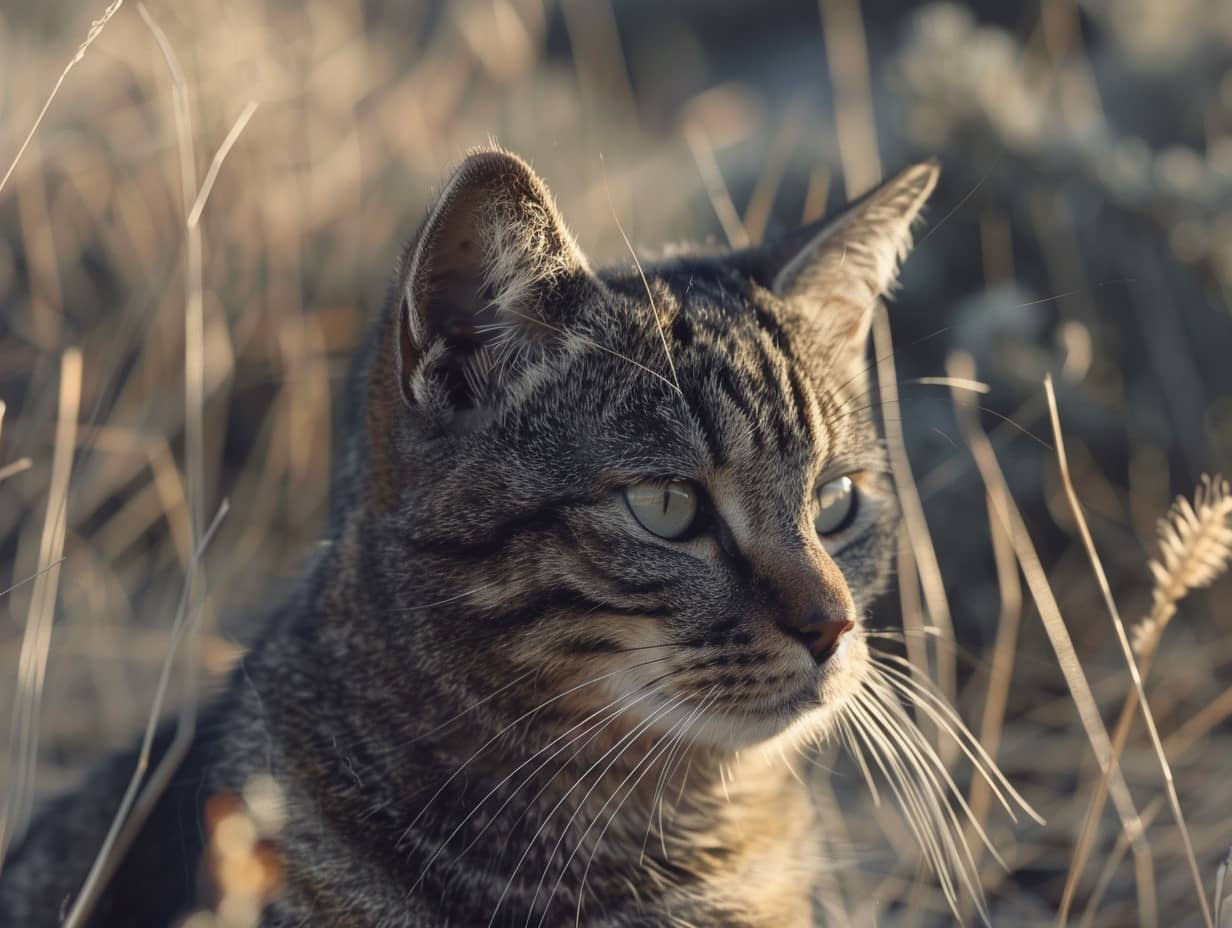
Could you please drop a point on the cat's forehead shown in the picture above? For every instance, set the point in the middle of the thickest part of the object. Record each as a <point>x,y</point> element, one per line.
<point>711,283</point>
<point>704,297</point>
<point>702,287</point>
<point>732,393</point>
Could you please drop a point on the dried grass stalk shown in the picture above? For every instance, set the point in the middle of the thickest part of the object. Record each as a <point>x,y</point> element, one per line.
<point>96,29</point>
<point>962,365</point>
<point>15,812</point>
<point>1135,676</point>
<point>1195,543</point>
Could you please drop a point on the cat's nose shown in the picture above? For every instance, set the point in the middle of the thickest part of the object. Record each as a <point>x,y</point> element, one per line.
<point>819,633</point>
<point>815,604</point>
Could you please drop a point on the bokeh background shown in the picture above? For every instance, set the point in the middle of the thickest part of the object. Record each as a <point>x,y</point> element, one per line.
<point>1082,228</point>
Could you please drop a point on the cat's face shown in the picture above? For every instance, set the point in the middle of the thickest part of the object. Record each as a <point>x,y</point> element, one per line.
<point>662,494</point>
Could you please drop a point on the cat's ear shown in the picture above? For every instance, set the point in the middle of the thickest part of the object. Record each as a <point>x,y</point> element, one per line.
<point>840,266</point>
<point>485,284</point>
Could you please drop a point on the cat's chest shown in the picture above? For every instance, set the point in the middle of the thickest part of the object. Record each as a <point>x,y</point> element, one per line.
<point>758,864</point>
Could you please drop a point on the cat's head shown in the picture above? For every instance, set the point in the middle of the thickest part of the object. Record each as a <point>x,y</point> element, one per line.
<point>658,488</point>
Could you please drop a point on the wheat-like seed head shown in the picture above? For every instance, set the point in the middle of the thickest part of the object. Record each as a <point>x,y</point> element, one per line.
<point>1195,545</point>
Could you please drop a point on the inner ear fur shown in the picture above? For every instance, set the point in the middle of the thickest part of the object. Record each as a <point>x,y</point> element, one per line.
<point>483,279</point>
<point>837,269</point>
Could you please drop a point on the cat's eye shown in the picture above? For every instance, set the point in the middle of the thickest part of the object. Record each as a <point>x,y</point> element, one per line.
<point>664,508</point>
<point>837,502</point>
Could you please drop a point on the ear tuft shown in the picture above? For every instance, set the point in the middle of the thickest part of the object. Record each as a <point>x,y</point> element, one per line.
<point>833,272</point>
<point>855,255</point>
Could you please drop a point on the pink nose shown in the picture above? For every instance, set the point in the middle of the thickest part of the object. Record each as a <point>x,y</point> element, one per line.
<point>818,633</point>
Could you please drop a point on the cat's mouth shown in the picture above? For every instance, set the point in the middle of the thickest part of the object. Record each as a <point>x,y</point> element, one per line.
<point>805,697</point>
<point>818,692</point>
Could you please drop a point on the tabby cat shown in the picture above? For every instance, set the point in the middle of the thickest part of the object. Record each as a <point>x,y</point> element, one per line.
<point>602,549</point>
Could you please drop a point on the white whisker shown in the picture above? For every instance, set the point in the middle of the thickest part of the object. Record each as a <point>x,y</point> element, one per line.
<point>496,737</point>
<point>928,766</point>
<point>624,741</point>
<point>670,763</point>
<point>942,714</point>
<point>906,792</point>
<point>596,727</point>
<point>640,769</point>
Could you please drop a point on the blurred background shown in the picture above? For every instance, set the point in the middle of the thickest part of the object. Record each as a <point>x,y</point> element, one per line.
<point>1082,228</point>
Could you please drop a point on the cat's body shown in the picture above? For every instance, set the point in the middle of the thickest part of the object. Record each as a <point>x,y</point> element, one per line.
<point>508,690</point>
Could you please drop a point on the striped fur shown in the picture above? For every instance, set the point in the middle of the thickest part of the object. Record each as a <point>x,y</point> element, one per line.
<point>496,699</point>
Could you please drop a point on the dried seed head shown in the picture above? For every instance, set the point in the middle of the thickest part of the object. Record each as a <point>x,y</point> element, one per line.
<point>1195,545</point>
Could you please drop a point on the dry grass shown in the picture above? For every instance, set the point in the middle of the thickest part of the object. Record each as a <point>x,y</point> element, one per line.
<point>213,313</point>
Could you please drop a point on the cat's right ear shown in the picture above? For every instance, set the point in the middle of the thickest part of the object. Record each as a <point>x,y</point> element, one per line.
<point>485,288</point>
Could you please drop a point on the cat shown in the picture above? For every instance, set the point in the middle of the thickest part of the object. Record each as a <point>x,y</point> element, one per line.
<point>602,550</point>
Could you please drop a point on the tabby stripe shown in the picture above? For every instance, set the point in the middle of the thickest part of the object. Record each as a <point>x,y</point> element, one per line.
<point>799,395</point>
<point>545,518</point>
<point>727,383</point>
<point>682,332</point>
<point>716,634</point>
<point>709,429</point>
<point>629,587</point>
<point>777,334</point>
<point>557,601</point>
<point>774,381</point>
<point>735,660</point>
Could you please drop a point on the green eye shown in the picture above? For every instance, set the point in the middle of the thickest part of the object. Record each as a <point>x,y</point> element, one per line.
<point>836,506</point>
<point>664,509</point>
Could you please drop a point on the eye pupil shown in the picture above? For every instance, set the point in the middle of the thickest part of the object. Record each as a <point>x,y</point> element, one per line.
<point>837,503</point>
<point>667,510</point>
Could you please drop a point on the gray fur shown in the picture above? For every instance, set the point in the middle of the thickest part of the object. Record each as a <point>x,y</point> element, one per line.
<point>486,595</point>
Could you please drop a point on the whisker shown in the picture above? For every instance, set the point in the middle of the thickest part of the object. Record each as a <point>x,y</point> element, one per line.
<point>877,638</point>
<point>628,742</point>
<point>853,745</point>
<point>638,770</point>
<point>564,766</point>
<point>598,727</point>
<point>960,204</point>
<point>929,765</point>
<point>624,741</point>
<point>834,393</point>
<point>952,855</point>
<point>529,805</point>
<point>473,706</point>
<point>990,777</point>
<point>881,749</point>
<point>405,610</point>
<point>669,764</point>
<point>34,576</point>
<point>944,715</point>
<point>1010,422</point>
<point>518,720</point>
<point>665,741</point>
<point>642,274</point>
<point>1077,290</point>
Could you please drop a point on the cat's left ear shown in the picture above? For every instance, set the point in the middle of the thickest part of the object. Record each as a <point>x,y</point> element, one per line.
<point>488,286</point>
<point>839,267</point>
